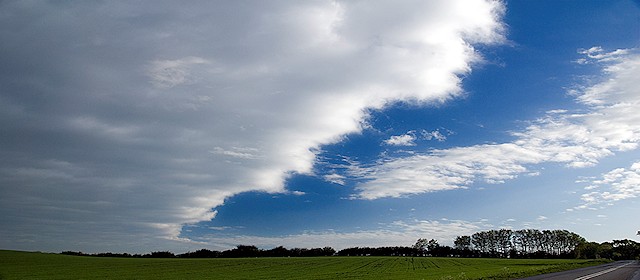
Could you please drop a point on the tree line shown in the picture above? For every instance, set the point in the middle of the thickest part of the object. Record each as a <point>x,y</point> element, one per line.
<point>502,243</point>
<point>241,251</point>
<point>532,243</point>
<point>524,243</point>
<point>616,250</point>
<point>506,243</point>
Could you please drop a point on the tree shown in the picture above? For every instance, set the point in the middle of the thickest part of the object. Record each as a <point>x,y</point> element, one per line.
<point>522,241</point>
<point>432,245</point>
<point>625,249</point>
<point>503,239</point>
<point>588,250</point>
<point>242,251</point>
<point>279,251</point>
<point>462,243</point>
<point>202,253</point>
<point>160,254</point>
<point>480,241</point>
<point>420,245</point>
<point>328,251</point>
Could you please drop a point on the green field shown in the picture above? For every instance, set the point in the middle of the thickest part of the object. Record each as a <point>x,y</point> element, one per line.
<point>25,265</point>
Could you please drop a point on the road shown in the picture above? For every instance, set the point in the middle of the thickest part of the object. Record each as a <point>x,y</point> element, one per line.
<point>620,270</point>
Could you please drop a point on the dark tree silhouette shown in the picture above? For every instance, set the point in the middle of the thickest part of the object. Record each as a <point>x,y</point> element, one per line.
<point>524,243</point>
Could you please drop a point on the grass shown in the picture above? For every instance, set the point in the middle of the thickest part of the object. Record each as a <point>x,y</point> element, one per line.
<point>29,265</point>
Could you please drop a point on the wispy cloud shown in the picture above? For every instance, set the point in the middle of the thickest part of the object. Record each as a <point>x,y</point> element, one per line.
<point>406,139</point>
<point>610,123</point>
<point>171,73</point>
<point>435,135</point>
<point>335,178</point>
<point>615,185</point>
<point>237,152</point>
<point>598,54</point>
<point>398,233</point>
<point>410,138</point>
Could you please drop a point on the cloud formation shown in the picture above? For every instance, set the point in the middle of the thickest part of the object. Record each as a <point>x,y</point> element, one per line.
<point>615,185</point>
<point>609,123</point>
<point>171,73</point>
<point>435,135</point>
<point>124,121</point>
<point>398,233</point>
<point>402,140</point>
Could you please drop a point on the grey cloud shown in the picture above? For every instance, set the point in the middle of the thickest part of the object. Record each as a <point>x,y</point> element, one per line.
<point>111,110</point>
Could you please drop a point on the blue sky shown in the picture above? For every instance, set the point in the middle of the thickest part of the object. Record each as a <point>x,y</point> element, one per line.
<point>138,126</point>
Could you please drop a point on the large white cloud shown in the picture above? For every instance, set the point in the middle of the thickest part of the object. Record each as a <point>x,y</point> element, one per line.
<point>124,121</point>
<point>609,123</point>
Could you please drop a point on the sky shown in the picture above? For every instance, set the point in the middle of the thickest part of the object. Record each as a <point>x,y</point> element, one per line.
<point>144,126</point>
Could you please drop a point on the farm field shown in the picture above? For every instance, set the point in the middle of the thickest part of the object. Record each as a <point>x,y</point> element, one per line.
<point>29,265</point>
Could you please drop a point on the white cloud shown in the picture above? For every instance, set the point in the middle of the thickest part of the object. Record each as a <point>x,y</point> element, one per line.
<point>615,185</point>
<point>402,140</point>
<point>434,135</point>
<point>335,178</point>
<point>297,193</point>
<point>409,138</point>
<point>237,152</point>
<point>201,101</point>
<point>598,54</point>
<point>610,124</point>
<point>446,170</point>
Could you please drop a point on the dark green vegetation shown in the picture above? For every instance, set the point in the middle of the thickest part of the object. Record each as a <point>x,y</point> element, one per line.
<point>25,265</point>
<point>533,243</point>
<point>503,243</point>
<point>617,250</point>
<point>514,244</point>
<point>241,251</point>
